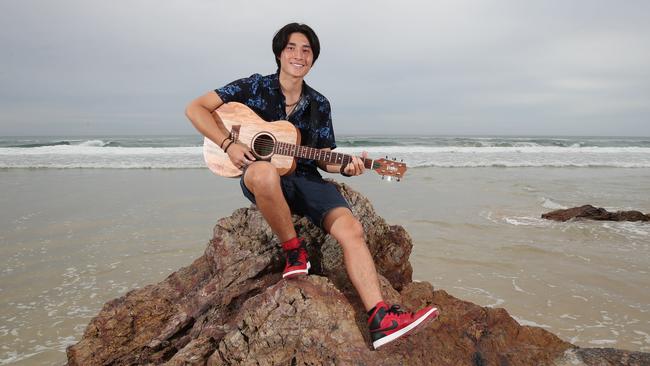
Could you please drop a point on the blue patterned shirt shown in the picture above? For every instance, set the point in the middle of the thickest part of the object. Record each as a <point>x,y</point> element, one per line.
<point>262,94</point>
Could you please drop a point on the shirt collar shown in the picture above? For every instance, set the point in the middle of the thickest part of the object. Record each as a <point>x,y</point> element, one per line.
<point>275,81</point>
<point>275,84</point>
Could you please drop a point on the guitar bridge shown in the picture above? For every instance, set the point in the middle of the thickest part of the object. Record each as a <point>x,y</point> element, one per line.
<point>234,133</point>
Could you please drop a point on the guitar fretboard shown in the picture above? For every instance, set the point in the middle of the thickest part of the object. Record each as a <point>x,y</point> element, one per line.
<point>306,152</point>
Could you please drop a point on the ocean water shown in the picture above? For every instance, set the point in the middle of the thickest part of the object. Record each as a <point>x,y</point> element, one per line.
<point>185,151</point>
<point>86,219</point>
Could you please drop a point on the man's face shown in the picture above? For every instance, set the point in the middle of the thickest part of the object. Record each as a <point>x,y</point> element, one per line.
<point>296,57</point>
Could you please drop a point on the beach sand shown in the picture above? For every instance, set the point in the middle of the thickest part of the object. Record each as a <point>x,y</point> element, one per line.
<point>72,239</point>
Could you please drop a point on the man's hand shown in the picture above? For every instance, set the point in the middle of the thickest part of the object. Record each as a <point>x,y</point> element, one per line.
<point>240,155</point>
<point>355,167</point>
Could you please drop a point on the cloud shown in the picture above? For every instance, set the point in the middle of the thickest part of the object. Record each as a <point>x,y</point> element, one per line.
<point>452,67</point>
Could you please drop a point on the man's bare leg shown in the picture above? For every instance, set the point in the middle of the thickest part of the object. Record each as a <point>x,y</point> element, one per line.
<point>348,231</point>
<point>385,323</point>
<point>263,180</point>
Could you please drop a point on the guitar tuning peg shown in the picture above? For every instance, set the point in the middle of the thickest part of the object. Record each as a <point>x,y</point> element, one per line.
<point>382,177</point>
<point>401,160</point>
<point>399,179</point>
<point>394,158</point>
<point>386,156</point>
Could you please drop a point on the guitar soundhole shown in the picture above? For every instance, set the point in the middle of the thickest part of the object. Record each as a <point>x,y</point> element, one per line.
<point>263,144</point>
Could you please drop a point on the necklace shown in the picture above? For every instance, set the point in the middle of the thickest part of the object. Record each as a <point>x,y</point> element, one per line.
<point>293,106</point>
<point>294,103</point>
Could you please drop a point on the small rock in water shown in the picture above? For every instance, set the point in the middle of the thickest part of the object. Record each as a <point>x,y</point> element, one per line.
<point>594,213</point>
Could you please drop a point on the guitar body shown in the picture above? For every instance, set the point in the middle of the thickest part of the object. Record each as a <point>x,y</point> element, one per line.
<point>247,126</point>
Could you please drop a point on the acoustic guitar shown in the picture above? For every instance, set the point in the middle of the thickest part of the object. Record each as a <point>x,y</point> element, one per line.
<point>279,143</point>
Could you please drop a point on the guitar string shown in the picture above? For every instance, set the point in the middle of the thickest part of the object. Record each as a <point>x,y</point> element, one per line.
<point>345,158</point>
<point>265,144</point>
<point>306,149</point>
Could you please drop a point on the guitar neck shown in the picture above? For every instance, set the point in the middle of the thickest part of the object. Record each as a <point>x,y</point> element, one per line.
<point>306,152</point>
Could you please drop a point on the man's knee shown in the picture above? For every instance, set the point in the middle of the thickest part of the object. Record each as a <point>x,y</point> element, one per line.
<point>343,224</point>
<point>260,176</point>
<point>356,228</point>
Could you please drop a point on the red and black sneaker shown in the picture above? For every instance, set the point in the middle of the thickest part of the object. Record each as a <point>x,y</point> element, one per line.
<point>297,262</point>
<point>387,324</point>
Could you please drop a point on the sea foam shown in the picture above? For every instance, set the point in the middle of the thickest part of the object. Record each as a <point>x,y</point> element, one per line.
<point>426,152</point>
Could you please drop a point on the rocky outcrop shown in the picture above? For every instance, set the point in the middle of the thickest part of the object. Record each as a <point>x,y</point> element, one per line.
<point>595,213</point>
<point>231,307</point>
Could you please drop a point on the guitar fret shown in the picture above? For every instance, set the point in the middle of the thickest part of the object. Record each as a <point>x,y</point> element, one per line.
<point>305,152</point>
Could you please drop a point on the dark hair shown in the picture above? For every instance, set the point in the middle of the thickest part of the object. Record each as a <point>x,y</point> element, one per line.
<point>281,39</point>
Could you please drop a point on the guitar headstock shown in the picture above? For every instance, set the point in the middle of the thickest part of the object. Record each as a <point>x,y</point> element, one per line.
<point>389,168</point>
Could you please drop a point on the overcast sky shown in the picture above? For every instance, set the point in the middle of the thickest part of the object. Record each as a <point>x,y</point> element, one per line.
<point>388,67</point>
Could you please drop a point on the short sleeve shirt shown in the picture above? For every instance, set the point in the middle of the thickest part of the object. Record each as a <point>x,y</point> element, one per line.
<point>263,95</point>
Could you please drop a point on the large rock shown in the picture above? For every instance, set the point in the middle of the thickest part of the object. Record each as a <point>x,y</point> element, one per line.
<point>594,213</point>
<point>232,307</point>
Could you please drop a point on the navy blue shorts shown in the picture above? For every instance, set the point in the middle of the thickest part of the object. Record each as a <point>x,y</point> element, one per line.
<point>308,195</point>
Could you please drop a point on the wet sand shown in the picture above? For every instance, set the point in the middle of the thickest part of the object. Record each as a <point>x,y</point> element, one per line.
<point>72,239</point>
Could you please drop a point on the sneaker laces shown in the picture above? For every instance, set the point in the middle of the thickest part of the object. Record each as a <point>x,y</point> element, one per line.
<point>294,255</point>
<point>395,309</point>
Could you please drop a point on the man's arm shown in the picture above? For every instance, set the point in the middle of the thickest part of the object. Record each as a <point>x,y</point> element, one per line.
<point>355,167</point>
<point>199,112</point>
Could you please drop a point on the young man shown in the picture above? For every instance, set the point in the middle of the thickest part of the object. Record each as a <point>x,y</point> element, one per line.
<point>286,96</point>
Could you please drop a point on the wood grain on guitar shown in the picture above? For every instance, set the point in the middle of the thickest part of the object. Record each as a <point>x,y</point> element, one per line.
<point>279,143</point>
